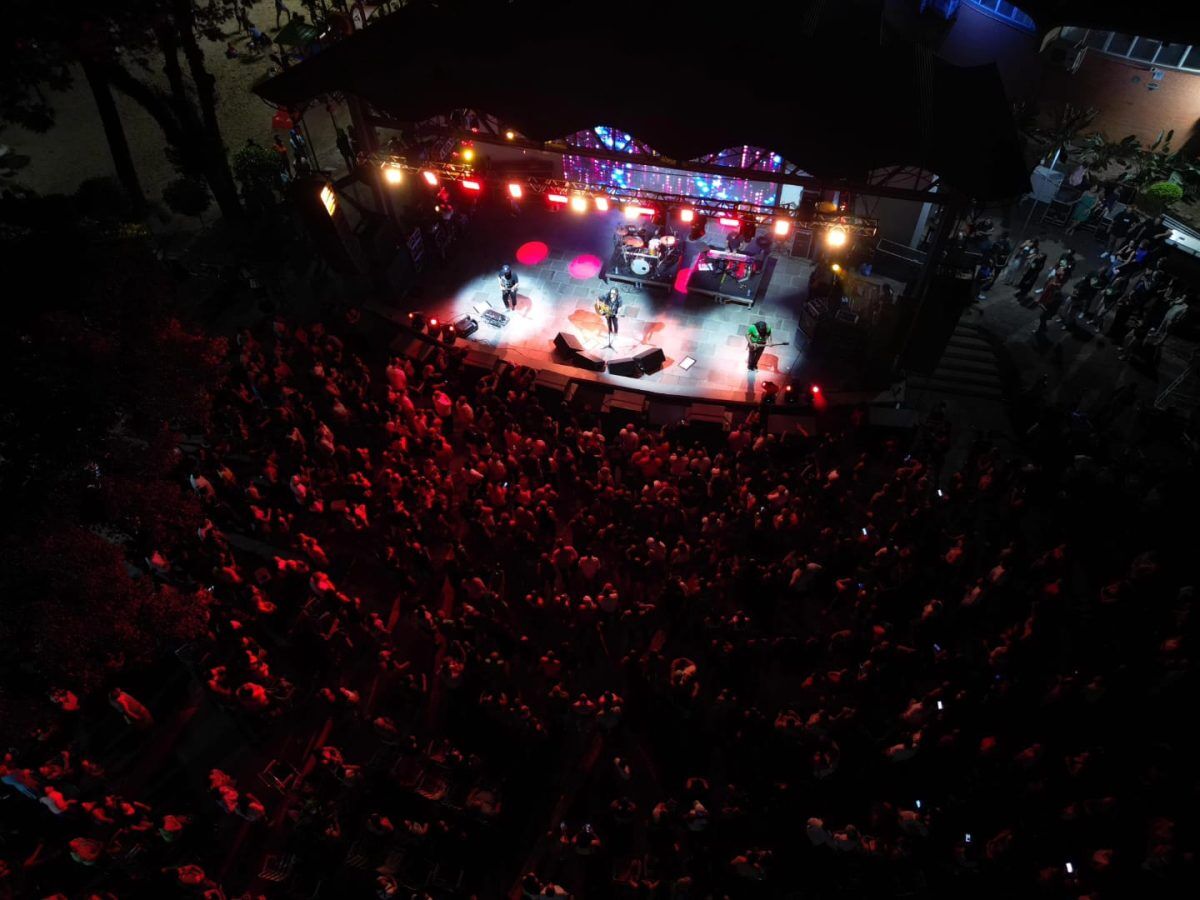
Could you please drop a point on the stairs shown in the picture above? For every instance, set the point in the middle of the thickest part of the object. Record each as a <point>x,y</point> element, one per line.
<point>968,368</point>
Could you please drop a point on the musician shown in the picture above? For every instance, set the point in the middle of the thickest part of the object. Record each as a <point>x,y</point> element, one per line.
<point>508,286</point>
<point>609,306</point>
<point>757,336</point>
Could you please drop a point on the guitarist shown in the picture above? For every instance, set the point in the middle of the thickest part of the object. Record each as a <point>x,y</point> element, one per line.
<point>508,286</point>
<point>757,336</point>
<point>610,304</point>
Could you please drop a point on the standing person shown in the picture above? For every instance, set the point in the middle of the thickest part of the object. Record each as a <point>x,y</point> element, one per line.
<point>1037,262</point>
<point>281,151</point>
<point>1051,300</point>
<point>344,148</point>
<point>1018,260</point>
<point>280,9</point>
<point>1124,223</point>
<point>508,286</point>
<point>299,145</point>
<point>611,304</point>
<point>1083,208</point>
<point>757,336</point>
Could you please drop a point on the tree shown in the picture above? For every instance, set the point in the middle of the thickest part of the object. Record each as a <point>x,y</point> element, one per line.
<point>117,44</point>
<point>258,172</point>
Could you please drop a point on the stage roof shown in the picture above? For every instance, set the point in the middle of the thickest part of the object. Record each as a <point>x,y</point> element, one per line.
<point>828,97</point>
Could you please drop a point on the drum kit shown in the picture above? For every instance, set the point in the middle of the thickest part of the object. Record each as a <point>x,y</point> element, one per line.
<point>644,255</point>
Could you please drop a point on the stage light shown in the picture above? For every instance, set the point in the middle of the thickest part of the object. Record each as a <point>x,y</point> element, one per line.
<point>515,190</point>
<point>393,174</point>
<point>602,204</point>
<point>632,212</point>
<point>579,203</point>
<point>782,228</point>
<point>836,236</point>
<point>431,178</point>
<point>730,223</point>
<point>329,199</point>
<point>510,134</point>
<point>558,198</point>
<point>471,185</point>
<point>836,267</point>
<point>816,389</point>
<point>687,215</point>
<point>468,155</point>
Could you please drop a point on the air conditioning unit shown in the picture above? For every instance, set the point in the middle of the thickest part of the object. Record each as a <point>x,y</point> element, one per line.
<point>1065,55</point>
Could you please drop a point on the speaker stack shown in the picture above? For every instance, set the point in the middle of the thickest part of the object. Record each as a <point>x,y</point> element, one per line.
<point>647,362</point>
<point>570,350</point>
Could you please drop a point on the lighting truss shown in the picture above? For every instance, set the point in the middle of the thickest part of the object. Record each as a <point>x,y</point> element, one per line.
<point>762,215</point>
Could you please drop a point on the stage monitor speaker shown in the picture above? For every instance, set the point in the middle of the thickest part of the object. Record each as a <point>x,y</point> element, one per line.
<point>651,359</point>
<point>625,365</point>
<point>586,360</point>
<point>567,343</point>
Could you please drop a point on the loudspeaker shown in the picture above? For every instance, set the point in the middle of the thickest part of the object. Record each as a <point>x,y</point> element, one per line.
<point>567,343</point>
<point>586,360</point>
<point>625,365</point>
<point>651,359</point>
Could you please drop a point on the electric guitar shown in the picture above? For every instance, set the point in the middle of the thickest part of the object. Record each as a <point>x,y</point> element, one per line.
<point>765,345</point>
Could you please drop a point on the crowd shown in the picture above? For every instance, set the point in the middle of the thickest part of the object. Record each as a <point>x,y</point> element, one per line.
<point>495,642</point>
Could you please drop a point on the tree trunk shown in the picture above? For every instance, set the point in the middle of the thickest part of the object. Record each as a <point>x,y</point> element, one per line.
<point>114,131</point>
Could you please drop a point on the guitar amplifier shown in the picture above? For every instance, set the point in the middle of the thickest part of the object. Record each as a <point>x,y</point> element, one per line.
<point>495,318</point>
<point>812,314</point>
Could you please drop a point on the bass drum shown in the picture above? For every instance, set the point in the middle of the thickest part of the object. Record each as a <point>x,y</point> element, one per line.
<point>639,265</point>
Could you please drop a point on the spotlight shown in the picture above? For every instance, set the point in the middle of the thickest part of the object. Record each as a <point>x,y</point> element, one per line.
<point>816,389</point>
<point>789,394</point>
<point>632,212</point>
<point>602,204</point>
<point>468,155</point>
<point>431,178</point>
<point>514,190</point>
<point>782,228</point>
<point>729,223</point>
<point>579,203</point>
<point>471,185</point>
<point>510,134</point>
<point>687,215</point>
<point>558,198</point>
<point>393,174</point>
<point>836,267</point>
<point>836,236</point>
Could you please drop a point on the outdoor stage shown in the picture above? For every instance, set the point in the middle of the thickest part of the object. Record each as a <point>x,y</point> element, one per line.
<point>560,259</point>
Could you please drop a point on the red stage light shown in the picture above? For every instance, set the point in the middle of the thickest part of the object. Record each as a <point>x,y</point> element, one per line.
<point>433,323</point>
<point>515,190</point>
<point>782,227</point>
<point>602,204</point>
<point>532,253</point>
<point>816,389</point>
<point>431,178</point>
<point>470,185</point>
<point>585,266</point>
<point>729,223</point>
<point>558,198</point>
<point>687,215</point>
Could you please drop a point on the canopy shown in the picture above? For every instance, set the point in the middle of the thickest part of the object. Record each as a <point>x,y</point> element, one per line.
<point>831,100</point>
<point>296,33</point>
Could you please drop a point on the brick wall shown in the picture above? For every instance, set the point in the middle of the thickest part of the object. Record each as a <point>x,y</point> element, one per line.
<point>1118,89</point>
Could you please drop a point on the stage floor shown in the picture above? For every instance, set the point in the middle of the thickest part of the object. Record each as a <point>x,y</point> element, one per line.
<point>559,258</point>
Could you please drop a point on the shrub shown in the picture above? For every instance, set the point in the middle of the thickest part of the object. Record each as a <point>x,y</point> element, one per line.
<point>187,196</point>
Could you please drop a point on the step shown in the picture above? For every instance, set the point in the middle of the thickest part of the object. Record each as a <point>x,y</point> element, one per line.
<point>922,383</point>
<point>968,343</point>
<point>979,362</point>
<point>982,379</point>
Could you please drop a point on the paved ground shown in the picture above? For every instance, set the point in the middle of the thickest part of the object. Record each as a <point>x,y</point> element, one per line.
<point>75,149</point>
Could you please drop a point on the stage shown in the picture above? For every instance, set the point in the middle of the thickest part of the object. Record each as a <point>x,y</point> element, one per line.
<point>560,258</point>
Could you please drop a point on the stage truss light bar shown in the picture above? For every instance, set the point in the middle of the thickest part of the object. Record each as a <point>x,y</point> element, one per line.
<point>783,227</point>
<point>632,211</point>
<point>579,203</point>
<point>515,190</point>
<point>730,223</point>
<point>687,215</point>
<point>856,226</point>
<point>558,198</point>
<point>602,204</point>
<point>430,177</point>
<point>469,185</point>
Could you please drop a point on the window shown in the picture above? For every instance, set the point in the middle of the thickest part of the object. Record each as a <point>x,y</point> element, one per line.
<point>1097,40</point>
<point>1120,44</point>
<point>1192,60</point>
<point>1005,12</point>
<point>1144,49</point>
<point>1073,34</point>
<point>1170,54</point>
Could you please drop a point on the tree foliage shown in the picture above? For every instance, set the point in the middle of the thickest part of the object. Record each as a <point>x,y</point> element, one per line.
<point>187,196</point>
